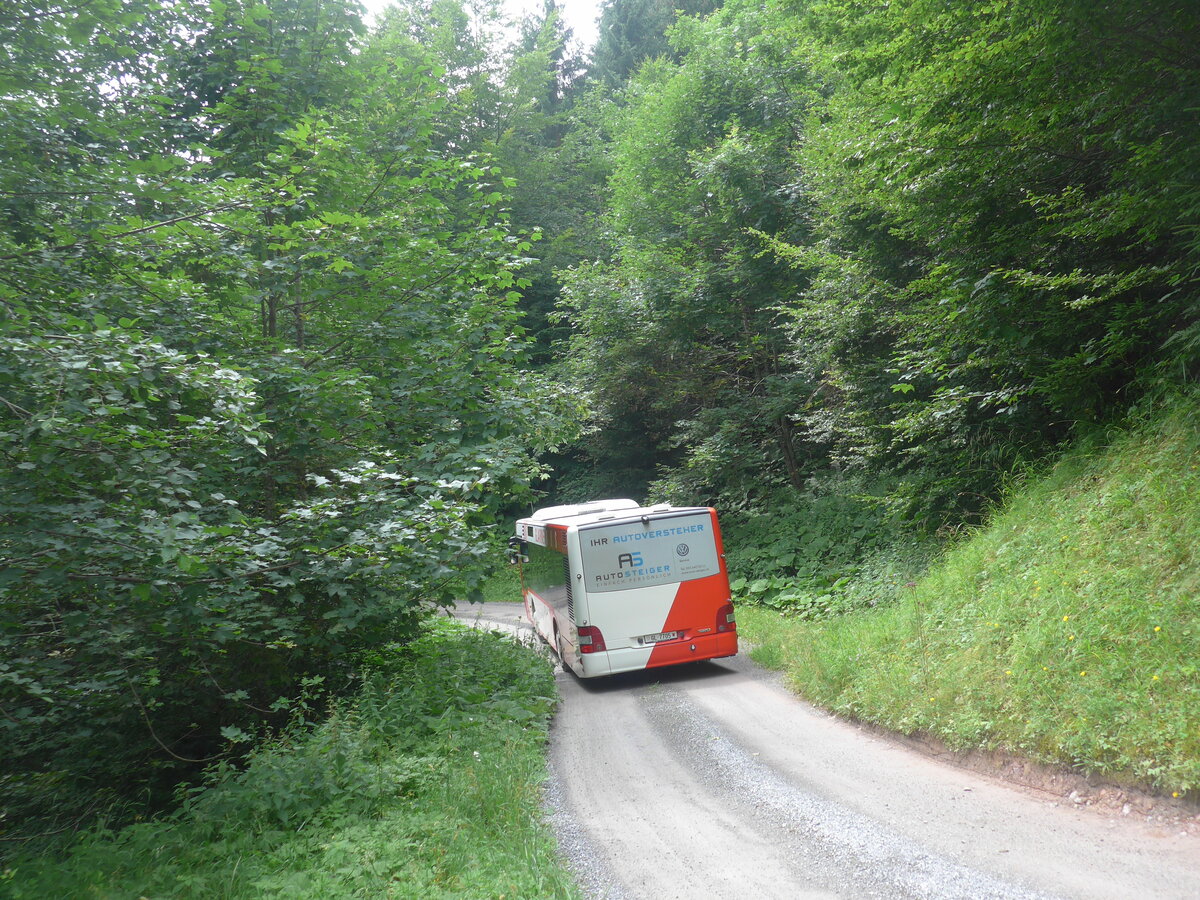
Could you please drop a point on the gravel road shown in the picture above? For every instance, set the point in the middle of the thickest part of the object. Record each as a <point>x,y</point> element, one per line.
<point>713,781</point>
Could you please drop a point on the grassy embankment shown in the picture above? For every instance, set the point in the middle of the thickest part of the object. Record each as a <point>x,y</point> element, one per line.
<point>503,587</point>
<point>1068,630</point>
<point>425,785</point>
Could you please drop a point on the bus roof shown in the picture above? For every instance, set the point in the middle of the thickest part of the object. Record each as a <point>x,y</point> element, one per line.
<point>600,511</point>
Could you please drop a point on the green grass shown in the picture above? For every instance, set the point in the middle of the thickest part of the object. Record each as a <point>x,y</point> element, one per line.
<point>1068,630</point>
<point>426,785</point>
<point>504,586</point>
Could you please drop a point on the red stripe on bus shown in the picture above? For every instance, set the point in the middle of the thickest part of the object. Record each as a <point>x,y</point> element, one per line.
<point>709,646</point>
<point>695,607</point>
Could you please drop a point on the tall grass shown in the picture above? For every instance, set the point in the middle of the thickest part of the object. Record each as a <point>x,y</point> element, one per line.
<point>503,587</point>
<point>1068,630</point>
<point>425,786</point>
<point>834,548</point>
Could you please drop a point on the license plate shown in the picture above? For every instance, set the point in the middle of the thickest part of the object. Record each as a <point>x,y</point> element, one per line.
<point>661,636</point>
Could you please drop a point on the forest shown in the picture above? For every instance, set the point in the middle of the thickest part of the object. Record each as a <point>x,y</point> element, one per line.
<point>298,309</point>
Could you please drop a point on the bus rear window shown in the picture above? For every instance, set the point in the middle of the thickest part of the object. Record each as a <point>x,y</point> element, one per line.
<point>636,554</point>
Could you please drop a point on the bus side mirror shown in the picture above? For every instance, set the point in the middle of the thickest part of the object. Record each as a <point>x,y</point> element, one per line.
<point>516,551</point>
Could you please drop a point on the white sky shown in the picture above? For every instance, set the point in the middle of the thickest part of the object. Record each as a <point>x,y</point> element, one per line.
<point>579,15</point>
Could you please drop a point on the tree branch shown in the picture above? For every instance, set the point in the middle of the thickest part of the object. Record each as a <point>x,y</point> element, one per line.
<point>216,579</point>
<point>19,410</point>
<point>407,295</point>
<point>58,248</point>
<point>153,734</point>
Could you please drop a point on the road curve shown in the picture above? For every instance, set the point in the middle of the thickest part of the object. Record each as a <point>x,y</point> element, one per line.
<point>713,781</point>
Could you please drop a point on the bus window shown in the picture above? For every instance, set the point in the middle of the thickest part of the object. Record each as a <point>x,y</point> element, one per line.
<point>627,555</point>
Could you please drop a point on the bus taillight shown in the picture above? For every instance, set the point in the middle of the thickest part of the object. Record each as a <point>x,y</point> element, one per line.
<point>726,621</point>
<point>592,641</point>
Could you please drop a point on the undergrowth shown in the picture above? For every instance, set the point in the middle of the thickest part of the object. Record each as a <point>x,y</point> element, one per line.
<point>504,586</point>
<point>1067,630</point>
<point>425,785</point>
<point>834,549</point>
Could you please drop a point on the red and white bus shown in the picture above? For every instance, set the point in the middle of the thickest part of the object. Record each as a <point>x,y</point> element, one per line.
<point>615,587</point>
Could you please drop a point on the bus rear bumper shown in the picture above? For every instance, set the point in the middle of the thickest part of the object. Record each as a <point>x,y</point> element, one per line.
<point>633,659</point>
<point>708,646</point>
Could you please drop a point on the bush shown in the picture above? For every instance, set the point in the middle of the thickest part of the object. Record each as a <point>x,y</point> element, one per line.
<point>832,550</point>
<point>425,784</point>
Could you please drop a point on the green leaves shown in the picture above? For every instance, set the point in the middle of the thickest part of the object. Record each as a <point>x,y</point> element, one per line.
<point>677,337</point>
<point>992,265</point>
<point>260,384</point>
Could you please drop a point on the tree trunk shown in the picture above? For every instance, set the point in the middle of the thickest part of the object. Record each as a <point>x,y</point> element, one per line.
<point>298,312</point>
<point>784,428</point>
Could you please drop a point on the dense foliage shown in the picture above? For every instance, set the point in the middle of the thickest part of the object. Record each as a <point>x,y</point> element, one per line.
<point>424,783</point>
<point>1005,195</point>
<point>877,256</point>
<point>261,385</point>
<point>677,335</point>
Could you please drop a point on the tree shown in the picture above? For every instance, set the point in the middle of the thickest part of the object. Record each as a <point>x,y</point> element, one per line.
<point>260,384</point>
<point>633,31</point>
<point>678,336</point>
<point>1001,191</point>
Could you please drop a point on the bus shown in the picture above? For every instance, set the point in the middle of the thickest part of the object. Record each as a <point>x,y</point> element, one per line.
<point>614,586</point>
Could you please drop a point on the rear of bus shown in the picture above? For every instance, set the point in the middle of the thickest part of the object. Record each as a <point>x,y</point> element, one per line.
<point>653,590</point>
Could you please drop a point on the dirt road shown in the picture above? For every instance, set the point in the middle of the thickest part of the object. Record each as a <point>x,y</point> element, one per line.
<point>712,781</point>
